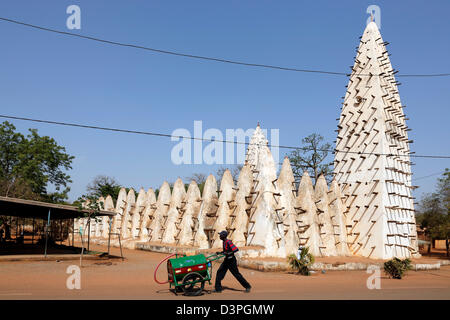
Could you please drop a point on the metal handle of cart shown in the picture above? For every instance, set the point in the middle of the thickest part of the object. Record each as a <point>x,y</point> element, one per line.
<point>214,257</point>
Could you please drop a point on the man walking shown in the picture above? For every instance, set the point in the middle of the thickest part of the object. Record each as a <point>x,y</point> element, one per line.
<point>229,263</point>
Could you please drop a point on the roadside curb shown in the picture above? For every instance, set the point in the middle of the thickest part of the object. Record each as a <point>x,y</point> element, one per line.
<point>260,265</point>
<point>318,266</point>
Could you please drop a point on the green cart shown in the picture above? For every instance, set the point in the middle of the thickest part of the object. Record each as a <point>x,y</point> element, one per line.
<point>188,274</point>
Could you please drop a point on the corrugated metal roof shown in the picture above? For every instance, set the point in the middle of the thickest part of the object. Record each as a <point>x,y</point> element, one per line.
<point>37,209</point>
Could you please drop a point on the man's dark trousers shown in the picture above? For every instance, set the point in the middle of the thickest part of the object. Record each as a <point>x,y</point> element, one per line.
<point>230,263</point>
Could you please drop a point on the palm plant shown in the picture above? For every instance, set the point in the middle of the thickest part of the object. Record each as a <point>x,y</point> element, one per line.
<point>303,263</point>
<point>396,268</point>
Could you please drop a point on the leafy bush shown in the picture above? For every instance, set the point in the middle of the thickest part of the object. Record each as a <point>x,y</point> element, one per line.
<point>303,264</point>
<point>396,268</point>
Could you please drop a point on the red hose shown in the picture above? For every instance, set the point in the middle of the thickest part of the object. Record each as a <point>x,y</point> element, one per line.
<point>154,275</point>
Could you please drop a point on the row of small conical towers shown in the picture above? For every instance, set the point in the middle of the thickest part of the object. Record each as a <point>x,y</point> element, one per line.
<point>367,210</point>
<point>262,211</point>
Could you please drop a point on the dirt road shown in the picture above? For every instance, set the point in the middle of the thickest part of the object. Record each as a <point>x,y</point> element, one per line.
<point>133,279</point>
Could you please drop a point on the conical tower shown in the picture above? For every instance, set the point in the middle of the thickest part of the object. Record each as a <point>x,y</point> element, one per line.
<point>207,215</point>
<point>147,215</point>
<point>137,213</point>
<point>226,206</point>
<point>326,229</point>
<point>109,206</point>
<point>288,203</point>
<point>120,209</point>
<point>190,210</point>
<point>242,205</point>
<point>170,228</point>
<point>338,219</point>
<point>372,164</point>
<point>309,235</point>
<point>162,205</point>
<point>98,223</point>
<point>265,223</point>
<point>127,214</point>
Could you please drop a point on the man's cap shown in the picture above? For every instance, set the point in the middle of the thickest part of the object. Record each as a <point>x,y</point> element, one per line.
<point>223,233</point>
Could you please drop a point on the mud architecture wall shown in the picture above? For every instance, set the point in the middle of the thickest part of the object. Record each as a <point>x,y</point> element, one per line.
<point>367,210</point>
<point>372,163</point>
<point>263,211</point>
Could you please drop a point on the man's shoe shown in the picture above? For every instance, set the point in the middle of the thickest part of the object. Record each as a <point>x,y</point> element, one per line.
<point>216,291</point>
<point>247,290</point>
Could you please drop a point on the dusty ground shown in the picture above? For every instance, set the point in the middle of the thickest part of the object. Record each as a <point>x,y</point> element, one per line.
<point>133,279</point>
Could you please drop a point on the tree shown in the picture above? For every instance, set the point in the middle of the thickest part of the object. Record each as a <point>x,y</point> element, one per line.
<point>102,186</point>
<point>199,178</point>
<point>93,206</point>
<point>444,190</point>
<point>303,262</point>
<point>433,213</point>
<point>310,157</point>
<point>30,165</point>
<point>235,171</point>
<point>397,268</point>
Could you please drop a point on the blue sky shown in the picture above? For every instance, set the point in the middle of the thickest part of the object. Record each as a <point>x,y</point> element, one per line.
<point>54,77</point>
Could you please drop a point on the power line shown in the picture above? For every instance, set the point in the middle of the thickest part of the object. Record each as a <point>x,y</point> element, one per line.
<point>248,64</point>
<point>428,176</point>
<point>211,140</point>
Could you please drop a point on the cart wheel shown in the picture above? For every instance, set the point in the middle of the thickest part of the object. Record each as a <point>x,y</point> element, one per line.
<point>193,284</point>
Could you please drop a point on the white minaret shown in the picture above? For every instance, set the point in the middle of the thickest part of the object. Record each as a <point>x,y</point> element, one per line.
<point>265,222</point>
<point>372,163</point>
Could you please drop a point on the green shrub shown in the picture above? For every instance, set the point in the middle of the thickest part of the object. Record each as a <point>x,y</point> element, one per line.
<point>301,265</point>
<point>396,268</point>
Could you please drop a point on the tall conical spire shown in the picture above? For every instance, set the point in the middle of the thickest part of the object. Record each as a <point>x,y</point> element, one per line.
<point>265,224</point>
<point>377,187</point>
<point>257,142</point>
